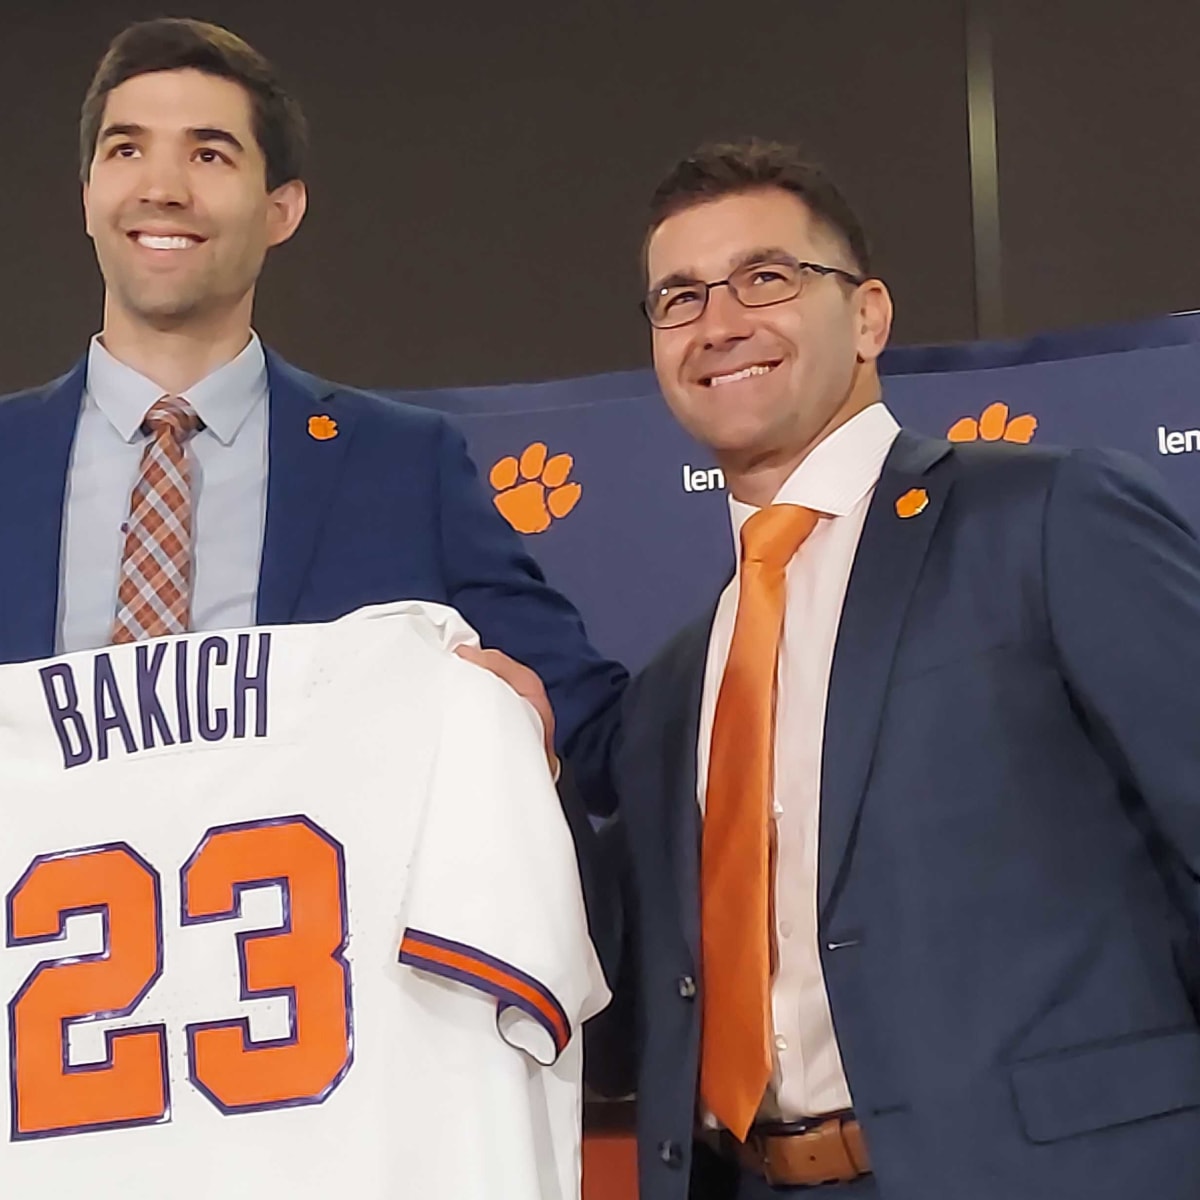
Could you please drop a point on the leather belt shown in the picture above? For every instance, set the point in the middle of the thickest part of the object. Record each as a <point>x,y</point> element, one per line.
<point>798,1153</point>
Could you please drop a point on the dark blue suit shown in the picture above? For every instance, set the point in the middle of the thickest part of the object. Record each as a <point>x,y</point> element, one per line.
<point>389,509</point>
<point>1010,841</point>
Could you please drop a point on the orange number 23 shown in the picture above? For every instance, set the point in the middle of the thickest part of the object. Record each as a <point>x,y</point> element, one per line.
<point>301,959</point>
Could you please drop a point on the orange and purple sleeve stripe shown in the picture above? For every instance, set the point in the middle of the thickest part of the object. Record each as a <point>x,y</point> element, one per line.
<point>511,988</point>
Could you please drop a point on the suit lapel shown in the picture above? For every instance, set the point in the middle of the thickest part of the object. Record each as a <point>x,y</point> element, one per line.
<point>303,465</point>
<point>34,459</point>
<point>885,571</point>
<point>682,829</point>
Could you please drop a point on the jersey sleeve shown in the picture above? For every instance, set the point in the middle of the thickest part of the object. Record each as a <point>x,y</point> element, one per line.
<point>494,900</point>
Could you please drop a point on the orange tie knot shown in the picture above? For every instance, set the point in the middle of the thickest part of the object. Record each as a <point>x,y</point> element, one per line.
<point>174,415</point>
<point>773,534</point>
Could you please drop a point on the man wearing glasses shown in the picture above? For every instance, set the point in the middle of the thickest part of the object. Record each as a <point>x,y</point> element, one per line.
<point>912,813</point>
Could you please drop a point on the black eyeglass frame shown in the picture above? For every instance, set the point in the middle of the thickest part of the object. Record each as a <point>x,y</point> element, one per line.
<point>815,268</point>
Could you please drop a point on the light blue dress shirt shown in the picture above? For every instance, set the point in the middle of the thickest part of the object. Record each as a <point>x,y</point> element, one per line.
<point>229,493</point>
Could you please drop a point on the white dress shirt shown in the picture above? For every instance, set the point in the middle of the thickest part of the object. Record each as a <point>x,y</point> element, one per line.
<point>837,479</point>
<point>229,493</point>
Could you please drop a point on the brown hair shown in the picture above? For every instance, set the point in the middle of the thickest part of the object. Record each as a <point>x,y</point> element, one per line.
<point>171,44</point>
<point>725,168</point>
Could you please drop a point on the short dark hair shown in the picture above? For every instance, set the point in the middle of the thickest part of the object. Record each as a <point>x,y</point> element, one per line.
<point>726,168</point>
<point>174,44</point>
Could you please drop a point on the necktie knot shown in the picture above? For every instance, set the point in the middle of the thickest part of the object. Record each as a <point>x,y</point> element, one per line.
<point>772,535</point>
<point>174,415</point>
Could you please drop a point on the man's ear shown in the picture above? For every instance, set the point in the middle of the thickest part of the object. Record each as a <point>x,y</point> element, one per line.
<point>874,319</point>
<point>289,203</point>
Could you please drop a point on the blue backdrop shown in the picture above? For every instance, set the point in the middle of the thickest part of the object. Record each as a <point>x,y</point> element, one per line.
<point>636,531</point>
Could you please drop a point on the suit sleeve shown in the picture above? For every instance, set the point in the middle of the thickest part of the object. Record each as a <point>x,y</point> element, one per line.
<point>494,900</point>
<point>1122,578</point>
<point>501,591</point>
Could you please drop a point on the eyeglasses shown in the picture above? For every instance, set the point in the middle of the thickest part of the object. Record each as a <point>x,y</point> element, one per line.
<point>756,285</point>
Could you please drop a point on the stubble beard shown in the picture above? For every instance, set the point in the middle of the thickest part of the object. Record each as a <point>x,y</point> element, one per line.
<point>150,303</point>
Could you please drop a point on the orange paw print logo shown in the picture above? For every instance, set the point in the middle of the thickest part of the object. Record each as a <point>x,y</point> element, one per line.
<point>322,428</point>
<point>533,491</point>
<point>994,425</point>
<point>913,503</point>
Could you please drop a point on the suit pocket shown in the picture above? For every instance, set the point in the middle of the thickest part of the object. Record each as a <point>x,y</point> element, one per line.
<point>1097,1087</point>
<point>916,664</point>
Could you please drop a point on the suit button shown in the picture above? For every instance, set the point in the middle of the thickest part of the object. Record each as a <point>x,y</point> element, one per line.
<point>670,1153</point>
<point>687,987</point>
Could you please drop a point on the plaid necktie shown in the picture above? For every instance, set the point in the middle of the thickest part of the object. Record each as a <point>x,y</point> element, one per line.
<point>736,853</point>
<point>155,592</point>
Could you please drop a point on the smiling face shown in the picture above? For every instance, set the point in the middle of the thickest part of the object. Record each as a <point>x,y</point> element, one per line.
<point>761,386</point>
<point>176,200</point>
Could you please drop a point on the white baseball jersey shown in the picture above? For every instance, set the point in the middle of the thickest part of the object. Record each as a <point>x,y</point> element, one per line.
<point>289,912</point>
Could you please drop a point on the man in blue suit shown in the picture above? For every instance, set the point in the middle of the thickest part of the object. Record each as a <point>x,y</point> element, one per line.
<point>307,499</point>
<point>913,815</point>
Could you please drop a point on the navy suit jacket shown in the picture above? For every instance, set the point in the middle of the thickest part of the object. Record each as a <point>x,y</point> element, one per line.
<point>389,509</point>
<point>1009,841</point>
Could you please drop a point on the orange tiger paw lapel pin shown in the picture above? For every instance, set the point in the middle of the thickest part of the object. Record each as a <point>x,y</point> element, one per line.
<point>322,428</point>
<point>912,503</point>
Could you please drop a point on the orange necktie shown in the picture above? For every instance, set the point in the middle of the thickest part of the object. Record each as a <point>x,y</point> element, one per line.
<point>735,857</point>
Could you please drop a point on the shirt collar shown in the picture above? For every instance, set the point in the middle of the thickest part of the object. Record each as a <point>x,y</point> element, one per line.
<point>837,473</point>
<point>223,399</point>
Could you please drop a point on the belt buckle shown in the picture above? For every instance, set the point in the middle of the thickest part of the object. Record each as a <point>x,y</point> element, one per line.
<point>760,1138</point>
<point>756,1144</point>
<point>768,1160</point>
<point>779,1133</point>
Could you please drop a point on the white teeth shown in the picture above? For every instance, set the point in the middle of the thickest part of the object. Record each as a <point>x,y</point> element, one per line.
<point>165,243</point>
<point>744,373</point>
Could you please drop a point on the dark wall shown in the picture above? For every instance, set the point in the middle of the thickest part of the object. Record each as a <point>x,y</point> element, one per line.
<point>1098,130</point>
<point>479,170</point>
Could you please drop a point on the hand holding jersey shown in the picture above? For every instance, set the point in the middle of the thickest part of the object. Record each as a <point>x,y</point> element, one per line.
<point>526,683</point>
